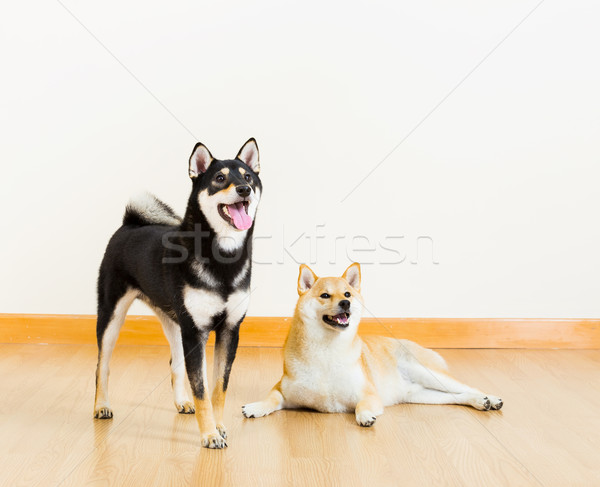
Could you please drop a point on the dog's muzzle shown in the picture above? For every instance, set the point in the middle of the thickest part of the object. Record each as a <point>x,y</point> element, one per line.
<point>341,320</point>
<point>243,191</point>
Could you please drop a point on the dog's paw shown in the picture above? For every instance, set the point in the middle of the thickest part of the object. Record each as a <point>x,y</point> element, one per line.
<point>103,412</point>
<point>185,407</point>
<point>255,410</point>
<point>481,402</point>
<point>222,431</point>
<point>214,441</point>
<point>366,418</point>
<point>496,402</point>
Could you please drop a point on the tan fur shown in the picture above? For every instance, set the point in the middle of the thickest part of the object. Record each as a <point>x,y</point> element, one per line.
<point>218,402</point>
<point>211,437</point>
<point>329,368</point>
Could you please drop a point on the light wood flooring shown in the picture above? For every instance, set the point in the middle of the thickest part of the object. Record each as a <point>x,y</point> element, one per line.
<point>548,432</point>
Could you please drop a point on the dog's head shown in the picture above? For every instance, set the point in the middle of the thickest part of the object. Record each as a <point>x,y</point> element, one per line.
<point>227,191</point>
<point>334,303</point>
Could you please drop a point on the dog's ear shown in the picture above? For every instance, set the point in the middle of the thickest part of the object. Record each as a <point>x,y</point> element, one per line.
<point>306,279</point>
<point>352,275</point>
<point>199,160</point>
<point>248,154</point>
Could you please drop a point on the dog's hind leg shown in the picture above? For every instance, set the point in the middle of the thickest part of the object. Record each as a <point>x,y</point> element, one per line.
<point>419,395</point>
<point>111,315</point>
<point>438,381</point>
<point>177,362</point>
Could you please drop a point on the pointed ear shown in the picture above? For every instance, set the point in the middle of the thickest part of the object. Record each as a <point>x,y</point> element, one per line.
<point>199,160</point>
<point>248,154</point>
<point>306,279</point>
<point>352,275</point>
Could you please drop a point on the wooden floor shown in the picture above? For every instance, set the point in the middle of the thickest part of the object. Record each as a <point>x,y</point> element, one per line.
<point>548,432</point>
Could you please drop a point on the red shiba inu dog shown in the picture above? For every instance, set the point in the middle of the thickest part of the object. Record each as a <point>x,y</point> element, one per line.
<point>329,368</point>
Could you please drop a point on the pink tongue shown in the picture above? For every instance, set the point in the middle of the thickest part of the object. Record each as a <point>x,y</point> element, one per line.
<point>241,219</point>
<point>341,318</point>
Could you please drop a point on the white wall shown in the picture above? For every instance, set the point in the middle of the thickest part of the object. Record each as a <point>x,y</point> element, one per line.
<point>502,177</point>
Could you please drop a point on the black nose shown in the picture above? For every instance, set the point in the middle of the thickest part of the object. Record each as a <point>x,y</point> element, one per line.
<point>243,191</point>
<point>345,304</point>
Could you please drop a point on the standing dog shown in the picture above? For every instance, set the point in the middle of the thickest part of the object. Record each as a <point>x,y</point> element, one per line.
<point>193,272</point>
<point>328,367</point>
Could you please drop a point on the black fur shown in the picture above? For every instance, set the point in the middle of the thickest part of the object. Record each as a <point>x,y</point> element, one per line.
<point>157,261</point>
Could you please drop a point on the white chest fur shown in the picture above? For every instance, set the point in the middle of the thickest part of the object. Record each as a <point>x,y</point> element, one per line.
<point>204,304</point>
<point>324,381</point>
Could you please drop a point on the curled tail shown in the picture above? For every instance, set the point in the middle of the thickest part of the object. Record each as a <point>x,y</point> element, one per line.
<point>147,209</point>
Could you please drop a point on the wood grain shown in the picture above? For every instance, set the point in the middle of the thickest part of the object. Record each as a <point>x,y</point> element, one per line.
<point>547,433</point>
<point>271,331</point>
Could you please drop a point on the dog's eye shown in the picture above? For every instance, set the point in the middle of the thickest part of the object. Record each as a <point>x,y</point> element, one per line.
<point>325,296</point>
<point>220,178</point>
<point>248,178</point>
<point>347,294</point>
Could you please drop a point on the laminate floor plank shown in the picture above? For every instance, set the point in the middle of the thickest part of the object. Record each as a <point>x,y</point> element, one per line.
<point>548,432</point>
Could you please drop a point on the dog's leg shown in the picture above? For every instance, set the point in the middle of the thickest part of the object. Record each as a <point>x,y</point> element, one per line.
<point>273,402</point>
<point>225,348</point>
<point>419,395</point>
<point>194,347</point>
<point>367,410</point>
<point>177,363</point>
<point>108,326</point>
<point>370,406</point>
<point>441,381</point>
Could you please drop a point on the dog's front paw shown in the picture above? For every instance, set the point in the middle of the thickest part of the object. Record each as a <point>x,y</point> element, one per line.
<point>366,418</point>
<point>255,410</point>
<point>222,431</point>
<point>103,412</point>
<point>213,441</point>
<point>185,407</point>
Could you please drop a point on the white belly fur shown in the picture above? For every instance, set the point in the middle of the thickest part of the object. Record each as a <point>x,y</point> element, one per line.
<point>323,385</point>
<point>334,382</point>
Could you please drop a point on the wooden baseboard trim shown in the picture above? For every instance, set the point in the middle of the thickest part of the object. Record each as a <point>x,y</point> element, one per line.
<point>271,331</point>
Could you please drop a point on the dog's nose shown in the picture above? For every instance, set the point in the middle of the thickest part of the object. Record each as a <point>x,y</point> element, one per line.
<point>243,191</point>
<point>345,304</point>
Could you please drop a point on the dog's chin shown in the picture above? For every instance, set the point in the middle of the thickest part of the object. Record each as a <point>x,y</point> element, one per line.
<point>339,322</point>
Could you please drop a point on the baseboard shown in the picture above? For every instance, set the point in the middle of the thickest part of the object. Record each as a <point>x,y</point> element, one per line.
<point>271,331</point>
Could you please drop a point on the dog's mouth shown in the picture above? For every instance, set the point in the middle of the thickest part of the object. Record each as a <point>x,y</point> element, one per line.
<point>236,215</point>
<point>339,321</point>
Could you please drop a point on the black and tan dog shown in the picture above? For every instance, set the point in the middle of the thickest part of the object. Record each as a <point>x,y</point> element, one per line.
<point>193,272</point>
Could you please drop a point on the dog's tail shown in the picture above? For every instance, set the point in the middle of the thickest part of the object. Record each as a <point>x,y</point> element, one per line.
<point>147,209</point>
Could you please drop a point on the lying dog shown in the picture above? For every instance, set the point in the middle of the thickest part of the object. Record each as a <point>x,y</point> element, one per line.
<point>193,272</point>
<point>329,368</point>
